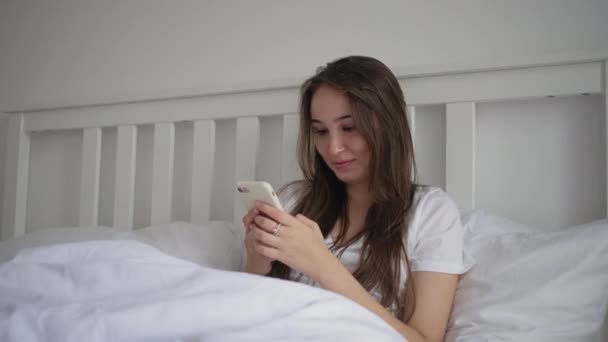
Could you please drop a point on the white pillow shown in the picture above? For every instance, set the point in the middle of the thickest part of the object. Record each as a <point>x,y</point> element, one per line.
<point>216,244</point>
<point>51,236</point>
<point>529,285</point>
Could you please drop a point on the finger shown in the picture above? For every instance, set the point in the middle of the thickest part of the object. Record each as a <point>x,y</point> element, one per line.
<point>265,223</point>
<point>250,231</point>
<point>269,252</point>
<point>252,227</point>
<point>249,216</point>
<point>251,240</point>
<point>246,221</point>
<point>275,214</point>
<point>266,238</point>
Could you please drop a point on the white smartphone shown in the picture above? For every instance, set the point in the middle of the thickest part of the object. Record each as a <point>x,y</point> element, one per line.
<point>257,191</point>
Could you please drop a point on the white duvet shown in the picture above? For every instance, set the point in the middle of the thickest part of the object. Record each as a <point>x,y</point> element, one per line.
<point>124,290</point>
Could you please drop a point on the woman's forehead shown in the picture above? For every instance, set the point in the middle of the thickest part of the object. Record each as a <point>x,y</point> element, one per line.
<point>329,104</point>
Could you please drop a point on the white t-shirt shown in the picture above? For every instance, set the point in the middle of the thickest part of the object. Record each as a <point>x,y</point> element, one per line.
<point>434,242</point>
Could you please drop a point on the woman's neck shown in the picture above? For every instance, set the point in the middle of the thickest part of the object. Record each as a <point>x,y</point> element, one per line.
<point>359,200</point>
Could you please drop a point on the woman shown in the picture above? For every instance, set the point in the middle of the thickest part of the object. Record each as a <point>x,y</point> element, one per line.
<point>357,224</point>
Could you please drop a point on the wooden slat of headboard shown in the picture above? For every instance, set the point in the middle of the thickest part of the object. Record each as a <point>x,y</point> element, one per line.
<point>290,169</point>
<point>411,117</point>
<point>89,178</point>
<point>124,187</point>
<point>247,140</point>
<point>16,177</point>
<point>162,173</point>
<point>605,83</point>
<point>460,153</point>
<point>203,159</point>
<point>268,167</point>
<point>276,161</point>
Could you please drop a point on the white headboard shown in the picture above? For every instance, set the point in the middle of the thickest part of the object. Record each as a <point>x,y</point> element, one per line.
<point>525,142</point>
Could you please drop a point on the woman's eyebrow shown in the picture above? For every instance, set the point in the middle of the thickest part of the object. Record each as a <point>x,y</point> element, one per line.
<point>347,116</point>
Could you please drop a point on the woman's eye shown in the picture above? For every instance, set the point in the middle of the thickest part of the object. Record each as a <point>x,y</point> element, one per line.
<point>319,131</point>
<point>348,128</point>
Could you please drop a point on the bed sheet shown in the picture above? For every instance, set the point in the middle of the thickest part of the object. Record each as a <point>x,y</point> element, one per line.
<point>124,290</point>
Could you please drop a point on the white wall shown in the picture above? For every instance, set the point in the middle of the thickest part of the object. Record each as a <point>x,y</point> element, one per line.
<point>542,161</point>
<point>68,52</point>
<point>3,135</point>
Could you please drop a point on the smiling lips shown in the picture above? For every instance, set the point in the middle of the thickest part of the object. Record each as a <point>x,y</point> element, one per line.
<point>342,165</point>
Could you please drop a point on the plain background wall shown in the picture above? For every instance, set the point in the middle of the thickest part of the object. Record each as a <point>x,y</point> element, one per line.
<point>68,52</point>
<point>542,158</point>
<point>3,134</point>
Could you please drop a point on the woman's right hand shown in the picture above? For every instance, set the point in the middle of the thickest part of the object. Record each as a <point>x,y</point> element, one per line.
<point>256,263</point>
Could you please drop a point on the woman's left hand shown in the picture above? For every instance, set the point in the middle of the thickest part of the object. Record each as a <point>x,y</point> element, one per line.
<point>295,241</point>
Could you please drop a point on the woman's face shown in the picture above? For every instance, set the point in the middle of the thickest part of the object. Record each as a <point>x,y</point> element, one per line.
<point>336,138</point>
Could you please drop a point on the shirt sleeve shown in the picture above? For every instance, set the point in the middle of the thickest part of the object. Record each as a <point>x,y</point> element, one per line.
<point>438,235</point>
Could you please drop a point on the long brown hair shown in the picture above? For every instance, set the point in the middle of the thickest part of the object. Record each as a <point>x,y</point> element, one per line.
<point>379,114</point>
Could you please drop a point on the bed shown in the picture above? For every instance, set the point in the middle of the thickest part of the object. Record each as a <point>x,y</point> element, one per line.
<point>120,221</point>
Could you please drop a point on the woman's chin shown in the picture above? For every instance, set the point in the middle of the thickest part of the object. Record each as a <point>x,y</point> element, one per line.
<point>350,179</point>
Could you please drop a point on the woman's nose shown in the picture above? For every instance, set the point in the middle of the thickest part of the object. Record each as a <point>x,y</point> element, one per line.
<point>336,144</point>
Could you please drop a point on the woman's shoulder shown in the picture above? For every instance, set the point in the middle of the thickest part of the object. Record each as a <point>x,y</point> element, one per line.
<point>433,201</point>
<point>435,233</point>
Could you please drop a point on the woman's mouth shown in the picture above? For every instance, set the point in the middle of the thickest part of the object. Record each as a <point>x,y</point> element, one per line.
<point>342,165</point>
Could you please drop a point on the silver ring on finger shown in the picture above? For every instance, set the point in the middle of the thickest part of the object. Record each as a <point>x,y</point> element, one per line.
<point>276,231</point>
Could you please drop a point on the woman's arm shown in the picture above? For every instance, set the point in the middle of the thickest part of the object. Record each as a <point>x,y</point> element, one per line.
<point>298,242</point>
<point>434,293</point>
